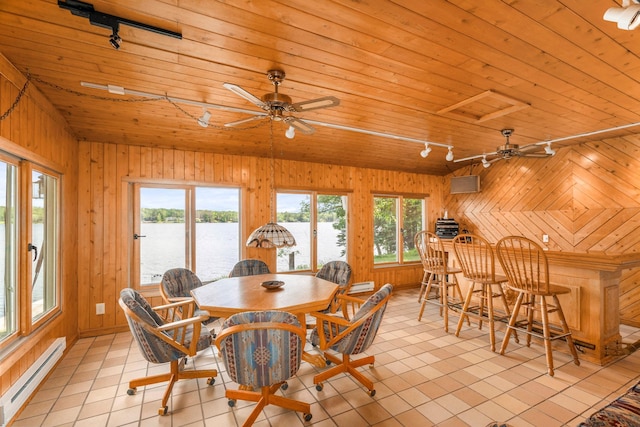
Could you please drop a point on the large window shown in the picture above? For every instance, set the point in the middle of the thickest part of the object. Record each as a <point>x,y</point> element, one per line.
<point>319,224</point>
<point>396,220</point>
<point>192,227</point>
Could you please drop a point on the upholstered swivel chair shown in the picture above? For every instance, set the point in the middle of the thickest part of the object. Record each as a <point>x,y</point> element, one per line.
<point>438,275</point>
<point>477,262</point>
<point>166,334</point>
<point>249,267</point>
<point>176,285</point>
<point>261,350</point>
<point>350,337</point>
<point>527,269</point>
<point>338,272</point>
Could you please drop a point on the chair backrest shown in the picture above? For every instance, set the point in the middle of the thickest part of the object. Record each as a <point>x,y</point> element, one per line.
<point>249,267</point>
<point>431,251</point>
<point>177,282</point>
<point>475,256</point>
<point>365,323</point>
<point>524,263</point>
<point>261,348</point>
<point>337,272</point>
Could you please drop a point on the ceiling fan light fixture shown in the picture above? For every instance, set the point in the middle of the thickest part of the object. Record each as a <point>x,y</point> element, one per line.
<point>204,119</point>
<point>290,133</point>
<point>449,156</point>
<point>547,149</point>
<point>424,153</point>
<point>485,162</point>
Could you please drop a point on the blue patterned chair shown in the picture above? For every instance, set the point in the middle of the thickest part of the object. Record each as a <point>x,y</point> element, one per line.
<point>165,334</point>
<point>249,267</point>
<point>338,272</point>
<point>261,350</point>
<point>350,337</point>
<point>176,285</point>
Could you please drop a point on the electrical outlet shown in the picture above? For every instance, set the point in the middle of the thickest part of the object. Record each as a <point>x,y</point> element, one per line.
<point>545,238</point>
<point>100,308</point>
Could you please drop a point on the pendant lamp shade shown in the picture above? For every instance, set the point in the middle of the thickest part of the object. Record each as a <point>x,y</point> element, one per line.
<point>271,235</point>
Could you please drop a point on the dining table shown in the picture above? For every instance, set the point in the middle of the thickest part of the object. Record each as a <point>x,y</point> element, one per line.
<point>298,294</point>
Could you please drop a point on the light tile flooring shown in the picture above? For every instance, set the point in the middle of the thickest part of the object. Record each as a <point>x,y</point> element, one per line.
<point>423,376</point>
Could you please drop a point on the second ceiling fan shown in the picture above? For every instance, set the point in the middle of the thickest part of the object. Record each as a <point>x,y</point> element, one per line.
<point>276,104</point>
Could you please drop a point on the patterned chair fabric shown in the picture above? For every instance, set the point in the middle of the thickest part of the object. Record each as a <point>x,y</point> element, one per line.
<point>249,267</point>
<point>622,412</point>
<point>153,348</point>
<point>358,340</point>
<point>177,283</point>
<point>338,272</point>
<point>261,357</point>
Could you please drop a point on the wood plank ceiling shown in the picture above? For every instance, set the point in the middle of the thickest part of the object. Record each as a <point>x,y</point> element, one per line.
<point>451,72</point>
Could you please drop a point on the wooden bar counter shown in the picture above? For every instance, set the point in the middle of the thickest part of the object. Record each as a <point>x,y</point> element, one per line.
<point>592,307</point>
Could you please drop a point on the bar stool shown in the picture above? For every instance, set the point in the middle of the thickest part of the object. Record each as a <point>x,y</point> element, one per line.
<point>477,262</point>
<point>526,266</point>
<point>437,275</point>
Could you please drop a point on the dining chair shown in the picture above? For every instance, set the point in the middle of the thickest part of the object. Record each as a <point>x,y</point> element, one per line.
<point>350,337</point>
<point>177,284</point>
<point>166,334</point>
<point>249,267</point>
<point>338,272</point>
<point>437,275</point>
<point>477,262</point>
<point>527,269</point>
<point>261,350</point>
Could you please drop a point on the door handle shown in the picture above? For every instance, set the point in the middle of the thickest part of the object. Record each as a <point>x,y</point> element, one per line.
<point>136,236</point>
<point>31,247</point>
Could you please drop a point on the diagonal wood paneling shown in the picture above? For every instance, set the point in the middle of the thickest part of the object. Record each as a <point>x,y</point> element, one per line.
<point>586,198</point>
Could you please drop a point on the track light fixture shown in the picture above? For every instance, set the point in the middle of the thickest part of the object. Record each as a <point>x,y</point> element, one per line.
<point>449,156</point>
<point>485,162</point>
<point>627,17</point>
<point>424,153</point>
<point>204,119</point>
<point>547,149</point>
<point>290,133</point>
<point>114,39</point>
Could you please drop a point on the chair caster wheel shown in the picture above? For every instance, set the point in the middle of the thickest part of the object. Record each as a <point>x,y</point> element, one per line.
<point>284,386</point>
<point>319,387</point>
<point>372,393</point>
<point>328,362</point>
<point>163,410</point>
<point>131,391</point>
<point>211,381</point>
<point>231,403</point>
<point>307,417</point>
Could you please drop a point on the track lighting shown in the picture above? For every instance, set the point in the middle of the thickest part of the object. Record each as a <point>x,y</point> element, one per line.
<point>114,38</point>
<point>627,17</point>
<point>424,153</point>
<point>290,133</point>
<point>449,156</point>
<point>485,162</point>
<point>547,149</point>
<point>204,119</point>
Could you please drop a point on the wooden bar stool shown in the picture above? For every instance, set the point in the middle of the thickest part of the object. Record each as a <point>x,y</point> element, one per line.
<point>477,262</point>
<point>527,269</point>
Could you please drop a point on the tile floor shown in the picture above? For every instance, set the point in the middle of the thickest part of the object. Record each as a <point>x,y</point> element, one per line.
<point>423,376</point>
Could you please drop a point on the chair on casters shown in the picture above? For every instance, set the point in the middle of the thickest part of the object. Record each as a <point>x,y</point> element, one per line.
<point>166,334</point>
<point>176,285</point>
<point>338,272</point>
<point>261,350</point>
<point>349,337</point>
<point>437,274</point>
<point>477,263</point>
<point>527,269</point>
<point>249,267</point>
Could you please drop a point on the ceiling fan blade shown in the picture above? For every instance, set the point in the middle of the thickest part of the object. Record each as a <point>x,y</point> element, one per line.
<point>246,95</point>
<point>535,155</point>
<point>247,120</point>
<point>298,124</point>
<point>315,104</point>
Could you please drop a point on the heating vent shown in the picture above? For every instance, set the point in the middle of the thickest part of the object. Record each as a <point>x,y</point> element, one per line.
<point>465,184</point>
<point>17,395</point>
<point>361,287</point>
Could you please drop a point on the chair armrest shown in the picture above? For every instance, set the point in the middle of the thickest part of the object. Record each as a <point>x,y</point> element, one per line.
<point>349,304</point>
<point>175,333</point>
<point>177,310</point>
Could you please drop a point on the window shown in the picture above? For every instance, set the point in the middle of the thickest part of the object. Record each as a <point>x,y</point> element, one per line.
<point>396,220</point>
<point>318,221</point>
<point>9,235</point>
<point>185,226</point>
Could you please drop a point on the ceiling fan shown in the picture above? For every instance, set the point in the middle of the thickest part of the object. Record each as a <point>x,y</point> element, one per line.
<point>276,104</point>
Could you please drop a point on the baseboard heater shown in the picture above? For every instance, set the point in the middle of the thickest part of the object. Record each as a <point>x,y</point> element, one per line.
<point>17,395</point>
<point>361,287</point>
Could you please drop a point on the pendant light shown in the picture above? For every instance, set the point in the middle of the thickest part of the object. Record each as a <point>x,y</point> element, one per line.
<point>271,235</point>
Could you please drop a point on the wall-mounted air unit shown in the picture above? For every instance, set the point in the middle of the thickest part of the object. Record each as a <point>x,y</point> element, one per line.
<point>465,184</point>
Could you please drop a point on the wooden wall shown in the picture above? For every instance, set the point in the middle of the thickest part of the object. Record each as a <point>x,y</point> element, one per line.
<point>105,170</point>
<point>586,198</point>
<point>35,131</point>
